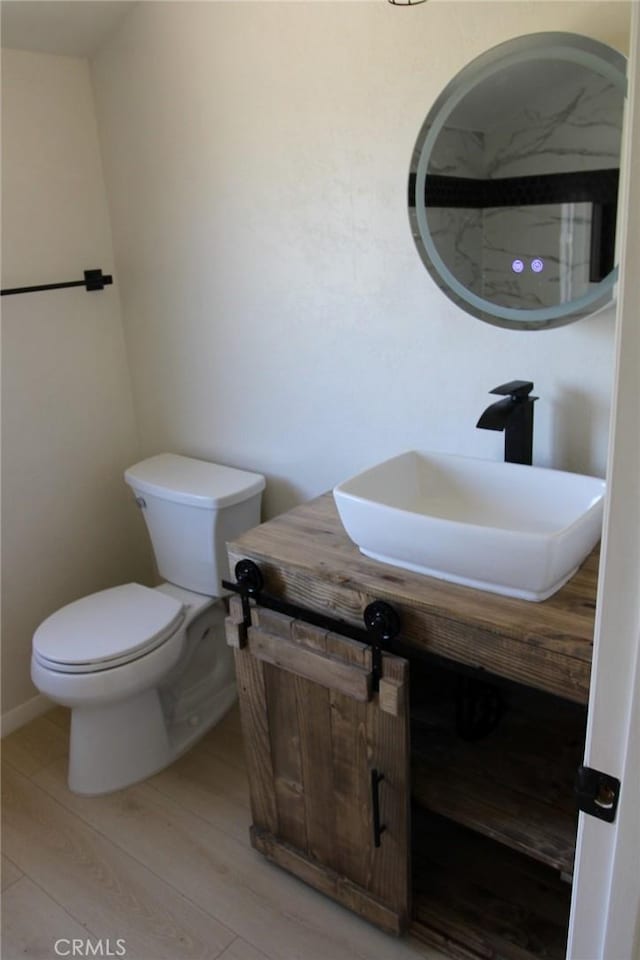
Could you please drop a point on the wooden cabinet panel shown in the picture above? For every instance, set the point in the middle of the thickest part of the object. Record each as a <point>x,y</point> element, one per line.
<point>314,730</point>
<point>328,671</point>
<point>257,745</point>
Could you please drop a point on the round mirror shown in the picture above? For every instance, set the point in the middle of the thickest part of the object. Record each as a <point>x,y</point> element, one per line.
<point>514,181</point>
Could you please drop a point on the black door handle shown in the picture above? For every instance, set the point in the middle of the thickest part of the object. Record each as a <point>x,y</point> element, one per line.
<point>378,828</point>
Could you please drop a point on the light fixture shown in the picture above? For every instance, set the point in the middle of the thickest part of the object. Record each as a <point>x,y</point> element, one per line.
<point>405,3</point>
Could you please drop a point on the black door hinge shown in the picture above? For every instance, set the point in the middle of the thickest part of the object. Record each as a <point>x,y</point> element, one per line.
<point>597,793</point>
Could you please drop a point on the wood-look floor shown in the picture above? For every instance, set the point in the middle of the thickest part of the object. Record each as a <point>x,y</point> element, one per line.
<point>164,865</point>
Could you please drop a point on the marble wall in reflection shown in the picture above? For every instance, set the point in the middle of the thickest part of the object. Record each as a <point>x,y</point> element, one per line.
<point>577,127</point>
<point>457,231</point>
<point>538,255</point>
<point>577,130</point>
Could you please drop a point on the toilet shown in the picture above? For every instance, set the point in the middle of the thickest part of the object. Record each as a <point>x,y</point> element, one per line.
<point>146,671</point>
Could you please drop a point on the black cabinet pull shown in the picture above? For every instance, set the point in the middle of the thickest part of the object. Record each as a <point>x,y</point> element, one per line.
<point>378,828</point>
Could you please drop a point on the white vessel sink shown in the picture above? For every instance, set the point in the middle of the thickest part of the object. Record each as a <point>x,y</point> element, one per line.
<point>516,530</point>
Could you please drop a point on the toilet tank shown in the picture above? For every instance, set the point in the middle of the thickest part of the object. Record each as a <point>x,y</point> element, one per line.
<point>192,508</point>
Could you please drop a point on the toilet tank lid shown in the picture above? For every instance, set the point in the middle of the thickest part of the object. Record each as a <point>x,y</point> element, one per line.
<point>193,482</point>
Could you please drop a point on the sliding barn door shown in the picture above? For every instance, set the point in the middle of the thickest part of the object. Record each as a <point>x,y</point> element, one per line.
<point>327,761</point>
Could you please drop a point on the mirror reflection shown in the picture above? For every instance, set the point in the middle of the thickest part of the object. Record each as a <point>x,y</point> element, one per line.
<point>516,174</point>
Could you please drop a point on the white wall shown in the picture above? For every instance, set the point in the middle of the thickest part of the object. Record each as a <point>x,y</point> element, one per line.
<point>68,524</point>
<point>277,315</point>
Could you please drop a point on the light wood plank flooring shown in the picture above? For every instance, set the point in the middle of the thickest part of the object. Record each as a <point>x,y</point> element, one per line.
<point>165,865</point>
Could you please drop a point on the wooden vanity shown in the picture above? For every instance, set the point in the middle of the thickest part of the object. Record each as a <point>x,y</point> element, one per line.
<point>396,801</point>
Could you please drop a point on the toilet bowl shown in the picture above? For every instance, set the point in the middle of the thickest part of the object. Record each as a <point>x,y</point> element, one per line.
<point>146,671</point>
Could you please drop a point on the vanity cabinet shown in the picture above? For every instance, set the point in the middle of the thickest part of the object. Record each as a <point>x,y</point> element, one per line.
<point>328,760</point>
<point>477,730</point>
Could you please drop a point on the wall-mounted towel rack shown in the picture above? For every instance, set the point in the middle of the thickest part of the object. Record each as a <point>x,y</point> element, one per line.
<point>93,280</point>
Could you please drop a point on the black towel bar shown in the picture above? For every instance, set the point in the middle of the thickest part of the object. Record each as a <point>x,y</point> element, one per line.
<point>93,280</point>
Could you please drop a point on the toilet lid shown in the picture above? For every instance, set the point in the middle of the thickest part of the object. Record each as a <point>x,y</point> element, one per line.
<point>112,625</point>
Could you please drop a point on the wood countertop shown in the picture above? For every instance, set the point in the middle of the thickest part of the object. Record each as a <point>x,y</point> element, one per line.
<point>308,559</point>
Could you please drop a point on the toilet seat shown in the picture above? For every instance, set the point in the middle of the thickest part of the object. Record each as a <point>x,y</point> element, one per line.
<point>107,629</point>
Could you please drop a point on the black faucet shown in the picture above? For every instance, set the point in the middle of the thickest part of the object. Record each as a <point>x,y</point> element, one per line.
<point>514,415</point>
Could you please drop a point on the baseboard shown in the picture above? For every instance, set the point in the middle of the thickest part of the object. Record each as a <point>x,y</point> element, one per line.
<point>19,716</point>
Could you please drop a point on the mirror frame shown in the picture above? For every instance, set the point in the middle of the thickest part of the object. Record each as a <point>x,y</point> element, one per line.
<point>570,47</point>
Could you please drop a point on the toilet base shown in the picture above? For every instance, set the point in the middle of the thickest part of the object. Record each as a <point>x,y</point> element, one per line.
<point>114,745</point>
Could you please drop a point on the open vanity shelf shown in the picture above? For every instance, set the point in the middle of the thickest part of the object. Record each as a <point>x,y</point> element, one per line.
<point>473,898</point>
<point>493,820</point>
<point>514,785</point>
<point>477,729</point>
